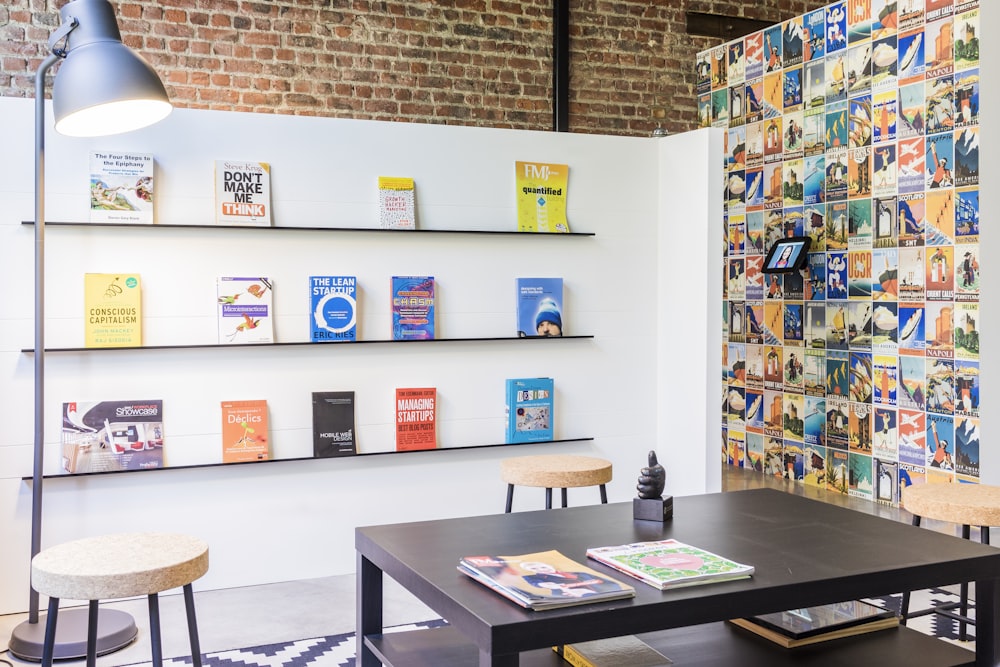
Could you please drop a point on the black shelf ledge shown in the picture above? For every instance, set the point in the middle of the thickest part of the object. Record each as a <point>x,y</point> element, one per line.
<point>310,229</point>
<point>30,478</point>
<point>31,350</point>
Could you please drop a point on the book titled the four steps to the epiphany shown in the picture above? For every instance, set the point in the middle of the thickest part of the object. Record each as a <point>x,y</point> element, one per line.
<point>529,408</point>
<point>333,424</point>
<point>242,193</point>
<point>412,307</point>
<point>107,436</point>
<point>244,310</point>
<point>121,187</point>
<point>539,307</point>
<point>668,564</point>
<point>396,203</point>
<point>334,308</point>
<point>416,418</point>
<point>543,580</point>
<point>244,431</point>
<point>112,310</point>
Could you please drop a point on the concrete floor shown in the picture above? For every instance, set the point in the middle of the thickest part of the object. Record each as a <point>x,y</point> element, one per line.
<point>253,615</point>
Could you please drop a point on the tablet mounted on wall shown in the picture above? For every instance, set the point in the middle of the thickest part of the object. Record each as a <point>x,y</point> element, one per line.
<point>787,255</point>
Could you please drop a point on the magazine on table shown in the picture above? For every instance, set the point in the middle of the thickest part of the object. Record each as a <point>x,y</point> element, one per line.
<point>811,621</point>
<point>669,563</point>
<point>543,580</point>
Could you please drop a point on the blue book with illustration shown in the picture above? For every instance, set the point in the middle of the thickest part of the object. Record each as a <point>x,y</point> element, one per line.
<point>539,307</point>
<point>529,410</point>
<point>412,307</point>
<point>333,315</point>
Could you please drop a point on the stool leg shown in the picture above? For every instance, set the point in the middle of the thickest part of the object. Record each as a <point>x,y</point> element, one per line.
<point>564,501</point>
<point>548,499</point>
<point>604,495</point>
<point>984,534</point>
<point>964,595</point>
<point>49,642</point>
<point>192,625</point>
<point>510,498</point>
<point>154,630</point>
<point>904,608</point>
<point>92,634</point>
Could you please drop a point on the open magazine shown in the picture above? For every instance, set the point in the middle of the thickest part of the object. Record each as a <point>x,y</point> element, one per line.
<point>669,564</point>
<point>543,580</point>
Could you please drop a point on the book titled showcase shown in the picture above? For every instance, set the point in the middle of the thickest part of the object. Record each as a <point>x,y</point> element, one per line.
<point>104,436</point>
<point>333,424</point>
<point>242,193</point>
<point>396,203</point>
<point>626,651</point>
<point>412,307</point>
<point>543,580</point>
<point>667,564</point>
<point>244,310</point>
<point>112,310</point>
<point>541,197</point>
<point>244,431</point>
<point>121,187</point>
<point>529,409</point>
<point>811,625</point>
<point>334,308</point>
<point>539,307</point>
<point>416,418</point>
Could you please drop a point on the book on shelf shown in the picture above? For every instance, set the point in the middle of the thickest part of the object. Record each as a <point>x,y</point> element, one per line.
<point>543,580</point>
<point>334,308</point>
<point>811,625</point>
<point>539,307</point>
<point>333,424</point>
<point>244,431</point>
<point>666,564</point>
<point>105,436</point>
<point>541,197</point>
<point>396,203</point>
<point>244,310</point>
<point>625,651</point>
<point>416,418</point>
<point>242,193</point>
<point>412,307</point>
<point>112,310</point>
<point>121,187</point>
<point>530,409</point>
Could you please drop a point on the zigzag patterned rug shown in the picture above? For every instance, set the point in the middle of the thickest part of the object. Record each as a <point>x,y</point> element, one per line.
<point>338,650</point>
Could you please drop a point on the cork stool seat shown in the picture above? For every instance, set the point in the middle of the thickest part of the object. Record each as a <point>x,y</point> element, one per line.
<point>555,471</point>
<point>119,566</point>
<point>964,504</point>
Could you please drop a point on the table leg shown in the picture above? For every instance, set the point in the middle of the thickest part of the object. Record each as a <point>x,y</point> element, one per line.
<point>487,659</point>
<point>369,609</point>
<point>987,624</point>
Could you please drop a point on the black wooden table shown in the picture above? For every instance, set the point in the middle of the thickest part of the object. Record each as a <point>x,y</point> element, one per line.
<point>805,553</point>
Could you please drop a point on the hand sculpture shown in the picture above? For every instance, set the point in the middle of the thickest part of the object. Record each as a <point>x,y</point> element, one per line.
<point>652,479</point>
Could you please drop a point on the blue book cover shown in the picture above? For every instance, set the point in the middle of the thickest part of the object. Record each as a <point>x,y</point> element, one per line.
<point>529,410</point>
<point>412,307</point>
<point>334,308</point>
<point>539,307</point>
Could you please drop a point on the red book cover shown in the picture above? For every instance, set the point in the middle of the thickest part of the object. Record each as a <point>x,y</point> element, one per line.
<point>244,431</point>
<point>416,418</point>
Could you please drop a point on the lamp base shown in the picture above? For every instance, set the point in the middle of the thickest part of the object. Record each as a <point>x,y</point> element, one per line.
<point>115,630</point>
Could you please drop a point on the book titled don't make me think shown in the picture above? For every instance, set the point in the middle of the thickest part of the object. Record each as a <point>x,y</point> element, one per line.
<point>242,193</point>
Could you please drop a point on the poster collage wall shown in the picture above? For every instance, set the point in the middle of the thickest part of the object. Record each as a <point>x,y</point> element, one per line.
<point>856,125</point>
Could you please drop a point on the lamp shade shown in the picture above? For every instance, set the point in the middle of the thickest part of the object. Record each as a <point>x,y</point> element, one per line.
<point>103,87</point>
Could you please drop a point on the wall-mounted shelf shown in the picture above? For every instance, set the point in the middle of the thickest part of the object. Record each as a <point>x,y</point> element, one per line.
<point>509,232</point>
<point>29,478</point>
<point>31,350</point>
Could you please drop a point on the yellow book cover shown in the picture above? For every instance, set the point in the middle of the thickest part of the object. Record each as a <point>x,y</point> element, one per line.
<point>113,310</point>
<point>541,197</point>
<point>244,431</point>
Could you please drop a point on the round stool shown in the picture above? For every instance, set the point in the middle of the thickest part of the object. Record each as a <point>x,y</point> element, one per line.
<point>120,566</point>
<point>964,504</point>
<point>555,471</point>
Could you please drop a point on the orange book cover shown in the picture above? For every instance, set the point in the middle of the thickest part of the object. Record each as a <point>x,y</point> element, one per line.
<point>244,431</point>
<point>416,418</point>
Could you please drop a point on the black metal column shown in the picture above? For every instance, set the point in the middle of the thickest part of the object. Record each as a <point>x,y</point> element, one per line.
<point>560,65</point>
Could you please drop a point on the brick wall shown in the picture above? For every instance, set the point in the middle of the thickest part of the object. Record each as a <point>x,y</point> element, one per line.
<point>467,62</point>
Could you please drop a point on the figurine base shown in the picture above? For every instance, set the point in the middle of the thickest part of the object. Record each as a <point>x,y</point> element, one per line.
<point>653,509</point>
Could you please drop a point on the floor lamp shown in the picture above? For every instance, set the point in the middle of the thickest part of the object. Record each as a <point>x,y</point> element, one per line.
<point>102,87</point>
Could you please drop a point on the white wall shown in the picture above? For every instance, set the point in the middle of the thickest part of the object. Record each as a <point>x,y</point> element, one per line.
<point>290,520</point>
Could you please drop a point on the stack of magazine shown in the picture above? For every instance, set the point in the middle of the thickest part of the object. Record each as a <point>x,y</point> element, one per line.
<point>810,625</point>
<point>543,580</point>
<point>669,564</point>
